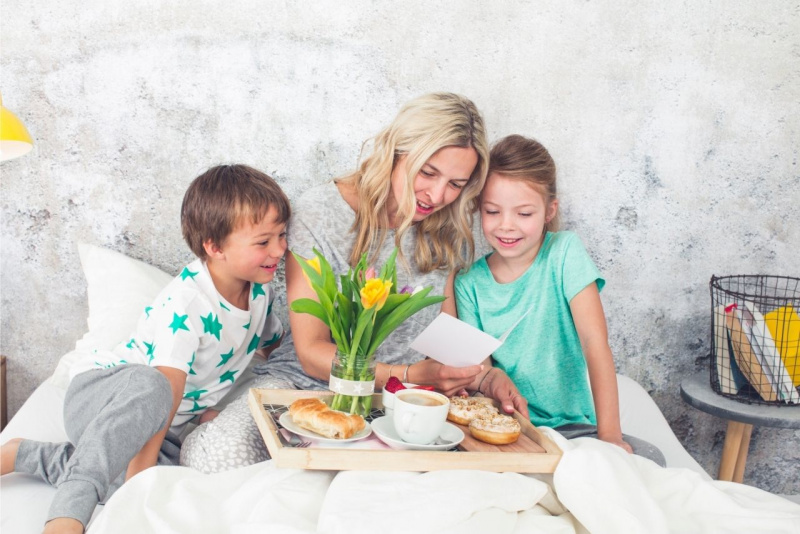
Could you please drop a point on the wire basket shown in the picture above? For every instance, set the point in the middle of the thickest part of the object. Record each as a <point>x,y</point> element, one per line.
<point>755,338</point>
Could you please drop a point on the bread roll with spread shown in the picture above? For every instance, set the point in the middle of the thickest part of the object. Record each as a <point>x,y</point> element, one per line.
<point>314,415</point>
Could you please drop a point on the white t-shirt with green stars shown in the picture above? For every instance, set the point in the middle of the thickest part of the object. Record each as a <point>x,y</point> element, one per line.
<point>191,327</point>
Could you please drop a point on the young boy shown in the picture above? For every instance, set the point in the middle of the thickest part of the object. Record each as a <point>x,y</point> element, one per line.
<point>125,408</point>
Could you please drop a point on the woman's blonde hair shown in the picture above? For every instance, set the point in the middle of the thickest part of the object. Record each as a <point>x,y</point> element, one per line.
<point>422,127</point>
<point>527,160</point>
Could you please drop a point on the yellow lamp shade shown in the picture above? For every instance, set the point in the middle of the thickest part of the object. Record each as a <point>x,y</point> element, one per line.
<point>14,137</point>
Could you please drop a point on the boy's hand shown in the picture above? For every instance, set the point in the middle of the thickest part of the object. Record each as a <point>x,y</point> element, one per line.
<point>208,415</point>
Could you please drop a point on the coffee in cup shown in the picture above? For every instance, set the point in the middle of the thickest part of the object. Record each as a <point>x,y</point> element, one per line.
<point>419,415</point>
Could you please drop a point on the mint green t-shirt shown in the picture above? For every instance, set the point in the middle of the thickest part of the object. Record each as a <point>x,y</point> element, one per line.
<point>543,354</point>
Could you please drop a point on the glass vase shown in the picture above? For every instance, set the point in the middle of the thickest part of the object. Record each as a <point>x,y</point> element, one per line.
<point>352,381</point>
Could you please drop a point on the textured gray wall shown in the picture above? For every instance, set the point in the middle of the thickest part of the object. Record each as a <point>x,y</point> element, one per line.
<point>675,125</point>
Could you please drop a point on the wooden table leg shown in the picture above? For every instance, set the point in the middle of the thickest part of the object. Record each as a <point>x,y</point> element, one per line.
<point>741,459</point>
<point>734,451</point>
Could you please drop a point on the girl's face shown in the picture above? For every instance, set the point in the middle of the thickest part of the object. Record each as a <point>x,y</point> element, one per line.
<point>438,183</point>
<point>513,217</point>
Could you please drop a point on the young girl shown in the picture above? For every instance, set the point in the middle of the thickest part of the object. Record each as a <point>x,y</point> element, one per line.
<point>546,277</point>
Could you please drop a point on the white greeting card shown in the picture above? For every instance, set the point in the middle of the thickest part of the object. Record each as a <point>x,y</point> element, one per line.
<point>455,343</point>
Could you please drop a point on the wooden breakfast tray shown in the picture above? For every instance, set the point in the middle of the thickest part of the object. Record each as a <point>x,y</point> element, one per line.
<point>533,452</point>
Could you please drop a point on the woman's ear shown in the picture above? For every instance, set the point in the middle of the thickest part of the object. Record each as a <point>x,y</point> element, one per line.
<point>552,209</point>
<point>213,250</point>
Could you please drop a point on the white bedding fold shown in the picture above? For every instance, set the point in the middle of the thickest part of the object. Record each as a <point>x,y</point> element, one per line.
<point>604,489</point>
<point>610,491</point>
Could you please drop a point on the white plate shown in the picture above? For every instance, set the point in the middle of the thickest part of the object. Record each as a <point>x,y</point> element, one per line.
<point>286,422</point>
<point>384,428</point>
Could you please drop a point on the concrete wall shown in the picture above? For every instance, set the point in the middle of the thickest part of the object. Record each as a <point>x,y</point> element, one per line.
<point>675,125</point>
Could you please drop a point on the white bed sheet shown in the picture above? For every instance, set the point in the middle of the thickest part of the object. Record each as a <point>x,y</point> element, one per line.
<point>596,488</point>
<point>25,500</point>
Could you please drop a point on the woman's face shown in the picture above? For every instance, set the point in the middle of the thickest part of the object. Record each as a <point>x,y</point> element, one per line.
<point>438,183</point>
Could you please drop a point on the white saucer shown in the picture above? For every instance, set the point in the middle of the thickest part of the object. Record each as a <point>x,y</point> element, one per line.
<point>286,422</point>
<point>384,428</point>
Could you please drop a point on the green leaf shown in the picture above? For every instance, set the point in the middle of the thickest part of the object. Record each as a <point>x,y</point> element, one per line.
<point>364,320</point>
<point>388,269</point>
<point>358,273</point>
<point>367,336</point>
<point>328,277</point>
<point>347,288</point>
<point>392,301</point>
<point>400,314</point>
<point>311,307</point>
<point>346,313</point>
<point>312,274</point>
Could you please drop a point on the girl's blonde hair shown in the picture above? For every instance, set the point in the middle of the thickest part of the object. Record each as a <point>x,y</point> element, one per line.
<point>422,127</point>
<point>527,160</point>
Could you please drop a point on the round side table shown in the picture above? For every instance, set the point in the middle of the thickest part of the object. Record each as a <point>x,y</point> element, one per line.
<point>696,391</point>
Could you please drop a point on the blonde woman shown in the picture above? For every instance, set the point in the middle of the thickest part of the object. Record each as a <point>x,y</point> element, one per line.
<point>417,189</point>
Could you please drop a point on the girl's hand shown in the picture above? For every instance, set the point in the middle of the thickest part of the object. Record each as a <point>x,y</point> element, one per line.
<point>448,380</point>
<point>501,388</point>
<point>619,442</point>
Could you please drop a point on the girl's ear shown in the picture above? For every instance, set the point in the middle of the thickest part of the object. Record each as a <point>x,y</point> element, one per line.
<point>212,250</point>
<point>552,209</point>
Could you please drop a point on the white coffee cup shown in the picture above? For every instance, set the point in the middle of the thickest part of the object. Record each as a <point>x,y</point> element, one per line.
<point>419,415</point>
<point>388,399</point>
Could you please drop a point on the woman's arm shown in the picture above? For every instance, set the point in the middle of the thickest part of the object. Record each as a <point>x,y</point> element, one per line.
<point>590,322</point>
<point>312,338</point>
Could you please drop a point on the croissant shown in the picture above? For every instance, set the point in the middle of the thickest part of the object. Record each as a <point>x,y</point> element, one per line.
<point>314,415</point>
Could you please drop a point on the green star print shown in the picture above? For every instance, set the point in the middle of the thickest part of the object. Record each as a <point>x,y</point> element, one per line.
<point>275,337</point>
<point>225,358</point>
<point>194,394</point>
<point>178,323</point>
<point>211,325</point>
<point>197,407</point>
<point>253,344</point>
<point>191,364</point>
<point>258,289</point>
<point>151,349</point>
<point>186,273</point>
<point>228,375</point>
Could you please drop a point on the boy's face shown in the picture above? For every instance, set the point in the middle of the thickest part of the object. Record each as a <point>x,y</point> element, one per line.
<point>251,252</point>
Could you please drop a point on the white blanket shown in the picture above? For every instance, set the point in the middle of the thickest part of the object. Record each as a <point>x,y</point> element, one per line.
<point>596,488</point>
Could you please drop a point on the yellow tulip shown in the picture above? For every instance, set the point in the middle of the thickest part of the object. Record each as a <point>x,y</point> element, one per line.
<point>374,293</point>
<point>314,264</point>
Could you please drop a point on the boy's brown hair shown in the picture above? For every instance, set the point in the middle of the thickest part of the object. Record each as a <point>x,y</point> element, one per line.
<point>220,199</point>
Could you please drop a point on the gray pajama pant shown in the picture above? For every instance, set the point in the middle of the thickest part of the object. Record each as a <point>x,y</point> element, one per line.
<point>640,447</point>
<point>109,415</point>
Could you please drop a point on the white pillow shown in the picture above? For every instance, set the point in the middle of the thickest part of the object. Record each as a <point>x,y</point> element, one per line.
<point>118,289</point>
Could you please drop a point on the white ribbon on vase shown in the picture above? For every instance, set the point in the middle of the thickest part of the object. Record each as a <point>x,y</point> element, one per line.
<point>354,388</point>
